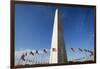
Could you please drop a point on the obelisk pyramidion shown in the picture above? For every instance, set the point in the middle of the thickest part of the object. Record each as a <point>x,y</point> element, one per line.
<point>58,53</point>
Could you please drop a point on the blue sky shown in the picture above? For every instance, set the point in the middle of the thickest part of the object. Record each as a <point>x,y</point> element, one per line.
<point>34,27</point>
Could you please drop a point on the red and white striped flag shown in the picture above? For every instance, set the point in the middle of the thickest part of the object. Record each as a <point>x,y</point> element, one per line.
<point>54,49</point>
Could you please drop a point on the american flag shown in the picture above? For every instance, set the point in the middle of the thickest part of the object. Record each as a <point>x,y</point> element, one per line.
<point>91,52</point>
<point>23,57</point>
<point>37,52</point>
<point>80,49</point>
<point>54,49</point>
<point>73,49</point>
<point>85,50</point>
<point>32,53</point>
<point>45,50</point>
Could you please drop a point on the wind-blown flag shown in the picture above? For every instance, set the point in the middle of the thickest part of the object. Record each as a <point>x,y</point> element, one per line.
<point>23,57</point>
<point>80,49</point>
<point>85,50</point>
<point>91,53</point>
<point>45,51</point>
<point>54,49</point>
<point>37,52</point>
<point>73,49</point>
<point>32,53</point>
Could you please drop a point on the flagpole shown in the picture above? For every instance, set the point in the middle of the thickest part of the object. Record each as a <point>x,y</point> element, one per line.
<point>27,59</point>
<point>33,59</point>
<point>86,56</point>
<point>20,59</point>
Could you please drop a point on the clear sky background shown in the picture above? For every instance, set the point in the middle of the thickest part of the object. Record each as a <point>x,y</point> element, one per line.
<point>34,27</point>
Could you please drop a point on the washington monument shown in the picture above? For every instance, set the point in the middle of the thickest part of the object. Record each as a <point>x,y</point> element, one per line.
<point>58,53</point>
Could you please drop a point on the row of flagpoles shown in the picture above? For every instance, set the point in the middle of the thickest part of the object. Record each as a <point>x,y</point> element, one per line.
<point>32,53</point>
<point>35,60</point>
<point>83,50</point>
<point>38,58</point>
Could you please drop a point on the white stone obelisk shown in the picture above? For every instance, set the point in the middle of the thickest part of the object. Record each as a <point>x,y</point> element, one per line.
<point>58,53</point>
